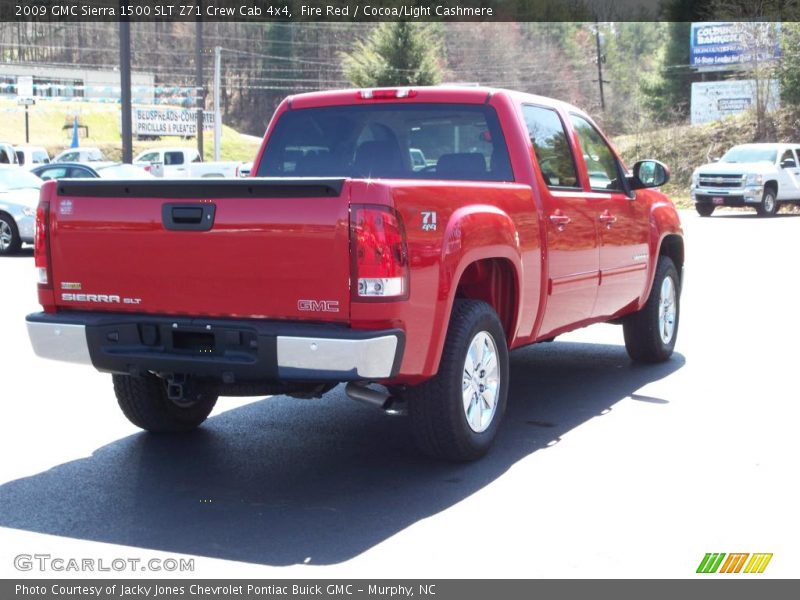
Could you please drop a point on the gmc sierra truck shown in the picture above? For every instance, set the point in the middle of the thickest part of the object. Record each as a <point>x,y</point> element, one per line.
<point>342,260</point>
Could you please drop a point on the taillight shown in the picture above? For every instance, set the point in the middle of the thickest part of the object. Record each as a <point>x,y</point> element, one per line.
<point>41,245</point>
<point>387,94</point>
<point>380,253</point>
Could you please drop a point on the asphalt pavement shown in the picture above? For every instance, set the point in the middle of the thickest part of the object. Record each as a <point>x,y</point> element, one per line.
<point>602,468</point>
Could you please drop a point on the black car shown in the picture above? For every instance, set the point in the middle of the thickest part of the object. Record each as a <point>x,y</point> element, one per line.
<point>109,170</point>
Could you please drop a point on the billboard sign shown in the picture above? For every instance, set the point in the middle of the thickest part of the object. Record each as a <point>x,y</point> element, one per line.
<point>169,122</point>
<point>715,100</point>
<point>716,45</point>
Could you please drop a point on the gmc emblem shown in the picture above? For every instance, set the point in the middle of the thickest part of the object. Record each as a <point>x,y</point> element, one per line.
<point>318,305</point>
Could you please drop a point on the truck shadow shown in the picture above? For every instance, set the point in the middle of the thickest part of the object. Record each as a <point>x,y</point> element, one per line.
<point>284,481</point>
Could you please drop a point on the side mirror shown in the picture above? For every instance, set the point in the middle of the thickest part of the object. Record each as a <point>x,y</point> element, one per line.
<point>788,164</point>
<point>648,174</point>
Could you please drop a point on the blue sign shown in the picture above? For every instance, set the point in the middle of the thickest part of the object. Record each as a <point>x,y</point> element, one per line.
<point>721,45</point>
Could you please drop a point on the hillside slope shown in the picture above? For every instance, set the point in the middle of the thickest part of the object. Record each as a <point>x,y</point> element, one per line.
<point>48,118</point>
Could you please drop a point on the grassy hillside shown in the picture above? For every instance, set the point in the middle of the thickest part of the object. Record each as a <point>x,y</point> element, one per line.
<point>684,147</point>
<point>48,118</point>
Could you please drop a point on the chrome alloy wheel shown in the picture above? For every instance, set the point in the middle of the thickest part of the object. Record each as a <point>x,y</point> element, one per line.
<point>480,382</point>
<point>6,235</point>
<point>667,310</point>
<point>769,203</point>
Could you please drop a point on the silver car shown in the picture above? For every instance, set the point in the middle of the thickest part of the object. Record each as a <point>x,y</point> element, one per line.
<point>19,195</point>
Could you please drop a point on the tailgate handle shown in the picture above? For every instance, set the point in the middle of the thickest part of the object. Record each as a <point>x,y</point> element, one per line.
<point>188,216</point>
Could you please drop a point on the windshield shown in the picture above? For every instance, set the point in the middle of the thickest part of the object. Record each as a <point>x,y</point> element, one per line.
<point>749,154</point>
<point>408,141</point>
<point>18,179</point>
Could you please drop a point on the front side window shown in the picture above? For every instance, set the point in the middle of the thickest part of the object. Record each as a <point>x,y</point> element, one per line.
<point>787,155</point>
<point>550,143</point>
<point>150,157</point>
<point>54,173</point>
<point>391,140</point>
<point>601,163</point>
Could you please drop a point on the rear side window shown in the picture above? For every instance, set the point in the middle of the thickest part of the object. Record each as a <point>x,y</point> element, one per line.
<point>20,157</point>
<point>173,158</point>
<point>551,145</point>
<point>409,141</point>
<point>40,157</point>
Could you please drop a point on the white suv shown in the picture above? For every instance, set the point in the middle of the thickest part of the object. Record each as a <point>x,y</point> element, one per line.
<point>763,176</point>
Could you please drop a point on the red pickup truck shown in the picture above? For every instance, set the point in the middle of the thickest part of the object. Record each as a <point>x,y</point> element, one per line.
<point>400,240</point>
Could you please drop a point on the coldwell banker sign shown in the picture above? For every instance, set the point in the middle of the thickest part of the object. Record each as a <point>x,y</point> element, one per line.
<point>715,46</point>
<point>169,121</point>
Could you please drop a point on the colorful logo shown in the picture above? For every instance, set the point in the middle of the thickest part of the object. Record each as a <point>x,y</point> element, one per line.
<point>713,562</point>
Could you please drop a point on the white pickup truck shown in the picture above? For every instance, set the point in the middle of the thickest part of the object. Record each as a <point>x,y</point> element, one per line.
<point>176,163</point>
<point>762,176</point>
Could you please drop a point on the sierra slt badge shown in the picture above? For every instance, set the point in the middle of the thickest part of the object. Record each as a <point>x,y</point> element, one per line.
<point>100,298</point>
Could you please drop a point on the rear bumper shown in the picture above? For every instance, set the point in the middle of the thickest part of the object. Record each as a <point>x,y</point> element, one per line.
<point>224,350</point>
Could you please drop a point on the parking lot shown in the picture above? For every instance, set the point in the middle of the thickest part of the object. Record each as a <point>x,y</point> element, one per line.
<point>602,468</point>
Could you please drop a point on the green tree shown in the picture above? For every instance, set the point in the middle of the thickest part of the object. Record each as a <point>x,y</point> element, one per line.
<point>789,67</point>
<point>395,54</point>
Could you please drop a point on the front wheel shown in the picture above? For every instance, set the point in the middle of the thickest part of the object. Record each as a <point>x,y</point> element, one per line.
<point>10,241</point>
<point>704,210</point>
<point>650,333</point>
<point>769,204</point>
<point>144,401</point>
<point>456,414</point>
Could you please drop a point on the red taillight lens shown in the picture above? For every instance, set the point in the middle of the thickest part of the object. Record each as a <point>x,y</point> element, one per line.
<point>41,246</point>
<point>387,94</point>
<point>380,253</point>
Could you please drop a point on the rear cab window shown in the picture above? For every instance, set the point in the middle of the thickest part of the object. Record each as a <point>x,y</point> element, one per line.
<point>408,141</point>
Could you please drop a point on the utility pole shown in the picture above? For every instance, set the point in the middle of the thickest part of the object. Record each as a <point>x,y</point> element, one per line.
<point>199,89</point>
<point>125,87</point>
<point>217,97</point>
<point>600,59</point>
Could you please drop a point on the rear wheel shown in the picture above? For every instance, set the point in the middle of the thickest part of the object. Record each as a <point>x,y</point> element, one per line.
<point>10,241</point>
<point>456,414</point>
<point>650,333</point>
<point>144,401</point>
<point>704,210</point>
<point>769,204</point>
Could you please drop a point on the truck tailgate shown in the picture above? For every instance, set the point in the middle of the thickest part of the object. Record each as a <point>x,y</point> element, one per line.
<point>253,248</point>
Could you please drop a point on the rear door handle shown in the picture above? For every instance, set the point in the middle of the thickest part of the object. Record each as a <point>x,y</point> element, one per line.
<point>558,219</point>
<point>188,216</point>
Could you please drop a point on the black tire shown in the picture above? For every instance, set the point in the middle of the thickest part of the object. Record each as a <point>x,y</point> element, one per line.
<point>8,227</point>
<point>145,403</point>
<point>703,209</point>
<point>436,407</point>
<point>769,204</point>
<point>643,338</point>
